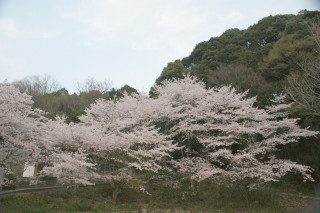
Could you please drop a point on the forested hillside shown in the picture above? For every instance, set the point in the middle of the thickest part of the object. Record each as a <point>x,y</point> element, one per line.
<point>258,58</point>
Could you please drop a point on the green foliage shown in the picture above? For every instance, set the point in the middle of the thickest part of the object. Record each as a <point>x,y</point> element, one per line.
<point>173,70</point>
<point>286,56</point>
<point>72,106</point>
<point>116,94</point>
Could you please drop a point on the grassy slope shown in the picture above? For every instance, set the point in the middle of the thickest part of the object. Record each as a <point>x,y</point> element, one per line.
<point>208,198</point>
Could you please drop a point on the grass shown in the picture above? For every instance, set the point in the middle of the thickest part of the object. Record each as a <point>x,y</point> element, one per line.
<point>209,197</point>
<point>88,199</point>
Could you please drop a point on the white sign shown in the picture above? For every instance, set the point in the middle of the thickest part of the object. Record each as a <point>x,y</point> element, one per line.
<point>28,170</point>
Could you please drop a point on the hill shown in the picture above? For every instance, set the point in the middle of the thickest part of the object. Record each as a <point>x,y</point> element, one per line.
<point>258,58</point>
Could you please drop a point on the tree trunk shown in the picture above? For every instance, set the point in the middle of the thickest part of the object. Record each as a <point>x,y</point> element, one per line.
<point>74,189</point>
<point>244,189</point>
<point>115,193</point>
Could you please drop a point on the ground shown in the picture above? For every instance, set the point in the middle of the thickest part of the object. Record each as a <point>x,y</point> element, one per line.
<point>98,199</point>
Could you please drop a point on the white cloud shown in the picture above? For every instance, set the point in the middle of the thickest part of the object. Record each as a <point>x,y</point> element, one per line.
<point>10,29</point>
<point>14,62</point>
<point>143,25</point>
<point>12,68</point>
<point>110,16</point>
<point>180,19</point>
<point>234,15</point>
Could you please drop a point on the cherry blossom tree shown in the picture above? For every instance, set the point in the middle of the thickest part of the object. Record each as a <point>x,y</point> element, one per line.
<point>20,129</point>
<point>68,161</point>
<point>201,133</point>
<point>124,140</point>
<point>27,136</point>
<point>226,138</point>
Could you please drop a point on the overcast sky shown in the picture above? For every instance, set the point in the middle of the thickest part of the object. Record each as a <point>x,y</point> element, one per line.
<point>125,41</point>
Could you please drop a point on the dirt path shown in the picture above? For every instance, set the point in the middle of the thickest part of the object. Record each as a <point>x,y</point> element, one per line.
<point>31,189</point>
